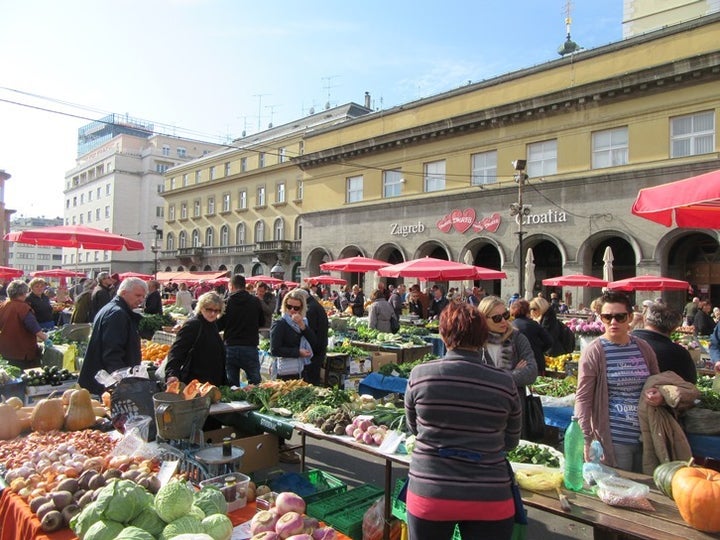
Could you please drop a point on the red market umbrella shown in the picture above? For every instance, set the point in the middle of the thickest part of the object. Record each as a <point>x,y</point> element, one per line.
<point>291,284</point>
<point>74,236</point>
<point>267,279</point>
<point>58,273</point>
<point>325,280</point>
<point>574,280</point>
<point>693,202</point>
<point>7,272</point>
<point>429,268</point>
<point>649,283</point>
<point>126,275</point>
<point>353,264</point>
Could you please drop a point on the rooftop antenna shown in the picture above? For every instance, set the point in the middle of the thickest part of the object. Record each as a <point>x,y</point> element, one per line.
<point>272,110</point>
<point>260,96</point>
<point>569,46</point>
<point>328,86</point>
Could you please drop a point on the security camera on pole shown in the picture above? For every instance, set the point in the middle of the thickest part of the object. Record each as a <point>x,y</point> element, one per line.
<point>518,210</point>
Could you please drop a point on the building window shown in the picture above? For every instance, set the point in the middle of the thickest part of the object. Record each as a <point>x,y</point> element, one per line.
<point>159,211</point>
<point>280,192</point>
<point>196,239</point>
<point>260,197</point>
<point>170,241</point>
<point>183,211</point>
<point>90,195</point>
<point>692,135</point>
<point>259,231</point>
<point>299,188</point>
<point>301,148</point>
<point>226,202</point>
<point>279,229</point>
<point>161,167</point>
<point>392,183</point>
<point>107,189</point>
<point>224,235</point>
<point>542,159</point>
<point>434,176</point>
<point>212,173</point>
<point>261,159</point>
<point>240,234</point>
<point>165,150</point>
<point>97,214</point>
<point>82,219</point>
<point>160,188</point>
<point>99,192</point>
<point>354,189</point>
<point>281,155</point>
<point>209,237</point>
<point>107,211</point>
<point>196,208</point>
<point>82,198</point>
<point>182,240</point>
<point>75,201</point>
<point>242,199</point>
<point>185,180</point>
<point>181,152</point>
<point>171,212</point>
<point>610,148</point>
<point>198,175</point>
<point>484,168</point>
<point>243,164</point>
<point>67,203</point>
<point>227,168</point>
<point>211,206</point>
<point>298,229</point>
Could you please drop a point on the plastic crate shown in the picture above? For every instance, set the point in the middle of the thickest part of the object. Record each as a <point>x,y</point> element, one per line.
<point>349,522</point>
<point>336,503</point>
<point>312,485</point>
<point>398,508</point>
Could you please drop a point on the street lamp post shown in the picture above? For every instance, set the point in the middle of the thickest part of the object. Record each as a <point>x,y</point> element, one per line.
<point>155,248</point>
<point>519,211</point>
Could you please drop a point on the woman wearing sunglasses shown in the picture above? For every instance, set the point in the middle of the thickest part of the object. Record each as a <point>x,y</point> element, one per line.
<point>612,372</point>
<point>507,348</point>
<point>198,351</point>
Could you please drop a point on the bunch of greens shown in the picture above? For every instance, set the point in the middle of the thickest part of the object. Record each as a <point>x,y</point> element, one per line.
<point>549,386</point>
<point>534,454</point>
<point>153,323</point>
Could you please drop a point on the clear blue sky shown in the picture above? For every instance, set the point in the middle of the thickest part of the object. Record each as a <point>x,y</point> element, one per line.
<point>196,67</point>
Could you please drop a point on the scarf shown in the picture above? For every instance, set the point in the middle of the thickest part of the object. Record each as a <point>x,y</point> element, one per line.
<point>501,349</point>
<point>304,343</point>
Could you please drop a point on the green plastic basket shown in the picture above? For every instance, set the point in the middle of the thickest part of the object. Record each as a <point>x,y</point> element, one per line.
<point>349,522</point>
<point>312,485</point>
<point>337,503</point>
<point>399,510</point>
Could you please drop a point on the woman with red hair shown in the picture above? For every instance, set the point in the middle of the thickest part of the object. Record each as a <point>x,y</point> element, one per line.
<point>465,414</point>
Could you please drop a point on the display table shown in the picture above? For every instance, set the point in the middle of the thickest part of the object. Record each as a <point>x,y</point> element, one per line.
<point>706,446</point>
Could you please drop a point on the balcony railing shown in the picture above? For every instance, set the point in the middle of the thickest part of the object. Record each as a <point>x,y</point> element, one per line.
<point>277,245</point>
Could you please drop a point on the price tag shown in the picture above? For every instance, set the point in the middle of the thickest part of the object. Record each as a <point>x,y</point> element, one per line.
<point>167,470</point>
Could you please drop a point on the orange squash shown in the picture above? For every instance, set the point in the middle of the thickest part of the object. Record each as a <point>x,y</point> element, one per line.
<point>48,415</point>
<point>173,387</point>
<point>212,391</point>
<point>80,414</point>
<point>10,426</point>
<point>192,389</point>
<point>696,491</point>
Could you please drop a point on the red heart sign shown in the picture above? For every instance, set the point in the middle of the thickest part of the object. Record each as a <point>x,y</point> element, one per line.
<point>490,223</point>
<point>445,224</point>
<point>463,220</point>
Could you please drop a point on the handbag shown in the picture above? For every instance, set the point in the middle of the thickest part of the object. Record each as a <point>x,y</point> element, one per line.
<point>534,421</point>
<point>521,522</point>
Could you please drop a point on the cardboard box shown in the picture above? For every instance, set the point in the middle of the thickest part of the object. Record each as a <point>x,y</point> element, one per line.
<point>381,358</point>
<point>353,383</point>
<point>358,366</point>
<point>261,451</point>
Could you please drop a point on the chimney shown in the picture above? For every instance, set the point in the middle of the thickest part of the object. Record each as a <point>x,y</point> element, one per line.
<point>367,100</point>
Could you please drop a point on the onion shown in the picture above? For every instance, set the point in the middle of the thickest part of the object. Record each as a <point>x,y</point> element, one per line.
<point>287,501</point>
<point>289,524</point>
<point>263,521</point>
<point>325,533</point>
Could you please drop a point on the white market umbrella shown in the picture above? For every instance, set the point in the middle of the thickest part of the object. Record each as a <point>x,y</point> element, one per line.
<point>608,264</point>
<point>529,274</point>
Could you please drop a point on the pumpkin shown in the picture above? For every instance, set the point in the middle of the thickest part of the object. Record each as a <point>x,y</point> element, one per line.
<point>663,475</point>
<point>697,495</point>
<point>66,396</point>
<point>48,415</point>
<point>15,402</point>
<point>80,414</point>
<point>192,389</point>
<point>9,423</point>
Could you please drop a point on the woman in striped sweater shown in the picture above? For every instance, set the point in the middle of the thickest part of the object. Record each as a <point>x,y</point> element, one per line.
<point>466,415</point>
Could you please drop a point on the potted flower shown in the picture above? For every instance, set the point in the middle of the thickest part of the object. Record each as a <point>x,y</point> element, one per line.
<point>585,331</point>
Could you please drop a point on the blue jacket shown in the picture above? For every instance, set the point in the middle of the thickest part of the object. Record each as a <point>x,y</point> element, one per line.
<point>114,343</point>
<point>715,344</point>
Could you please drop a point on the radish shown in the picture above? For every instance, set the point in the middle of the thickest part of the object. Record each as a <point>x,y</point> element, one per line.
<point>287,501</point>
<point>290,524</point>
<point>263,521</point>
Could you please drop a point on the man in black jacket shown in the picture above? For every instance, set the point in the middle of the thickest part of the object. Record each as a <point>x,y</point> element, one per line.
<point>153,302</point>
<point>241,325</point>
<point>318,323</point>
<point>102,293</point>
<point>659,322</point>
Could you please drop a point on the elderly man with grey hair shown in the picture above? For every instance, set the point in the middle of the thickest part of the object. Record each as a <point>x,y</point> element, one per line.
<point>660,321</point>
<point>115,339</point>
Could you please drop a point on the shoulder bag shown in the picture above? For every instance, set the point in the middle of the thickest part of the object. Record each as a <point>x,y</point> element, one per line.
<point>534,421</point>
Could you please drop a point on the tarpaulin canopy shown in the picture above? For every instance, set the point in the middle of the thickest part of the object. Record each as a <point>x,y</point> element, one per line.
<point>692,202</point>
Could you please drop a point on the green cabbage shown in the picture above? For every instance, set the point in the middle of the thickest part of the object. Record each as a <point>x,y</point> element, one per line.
<point>196,512</point>
<point>218,526</point>
<point>173,500</point>
<point>81,523</point>
<point>196,536</point>
<point>211,501</point>
<point>183,525</point>
<point>133,533</point>
<point>104,530</point>
<point>149,521</point>
<point>122,500</point>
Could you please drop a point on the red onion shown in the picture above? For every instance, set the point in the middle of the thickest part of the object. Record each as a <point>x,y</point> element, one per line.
<point>287,501</point>
<point>325,533</point>
<point>289,524</point>
<point>263,521</point>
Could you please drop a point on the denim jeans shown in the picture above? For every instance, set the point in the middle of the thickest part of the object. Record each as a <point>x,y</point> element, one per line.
<point>628,457</point>
<point>243,357</point>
